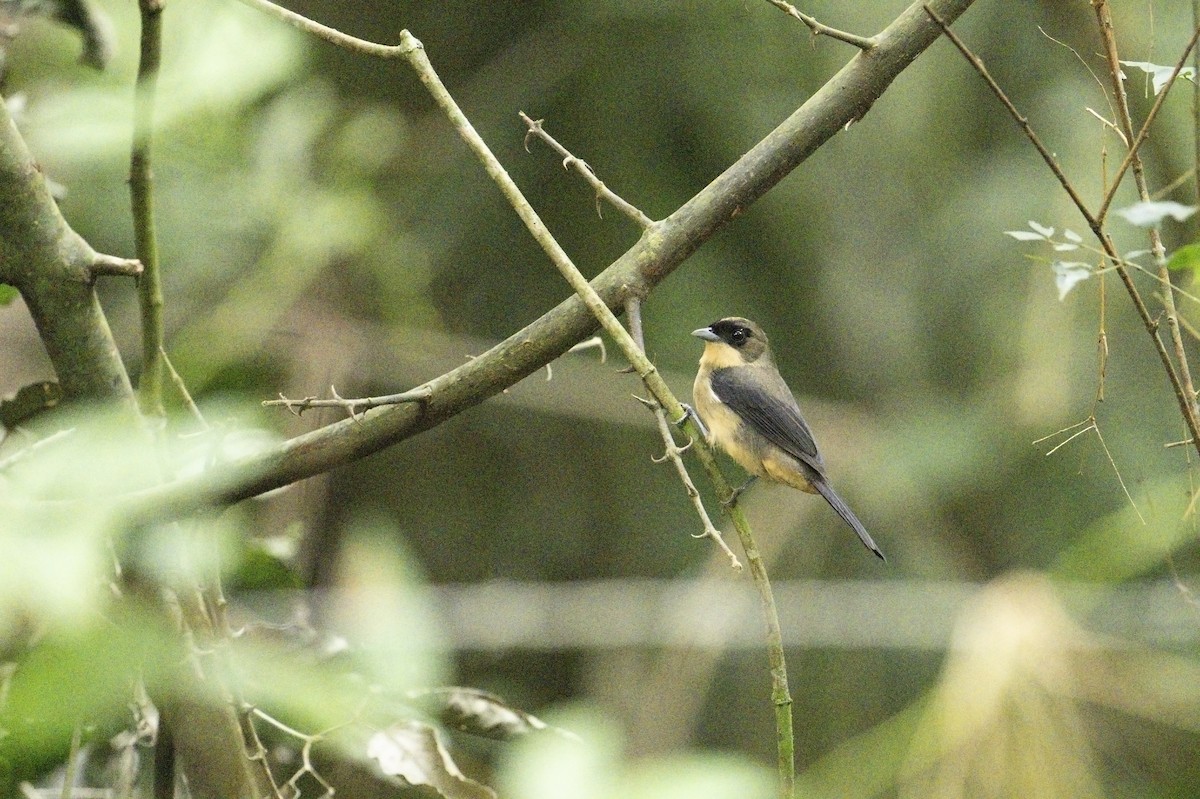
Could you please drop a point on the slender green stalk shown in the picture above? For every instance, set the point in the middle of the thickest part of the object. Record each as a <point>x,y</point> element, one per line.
<point>1196,103</point>
<point>1125,120</point>
<point>780,697</point>
<point>72,774</point>
<point>141,191</point>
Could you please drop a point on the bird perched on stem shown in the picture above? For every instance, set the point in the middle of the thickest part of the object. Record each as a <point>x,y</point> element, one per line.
<point>750,413</point>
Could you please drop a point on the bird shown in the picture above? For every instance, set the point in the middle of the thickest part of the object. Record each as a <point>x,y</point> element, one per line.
<point>747,410</point>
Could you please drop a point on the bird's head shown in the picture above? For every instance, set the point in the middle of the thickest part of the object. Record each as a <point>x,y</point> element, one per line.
<point>733,341</point>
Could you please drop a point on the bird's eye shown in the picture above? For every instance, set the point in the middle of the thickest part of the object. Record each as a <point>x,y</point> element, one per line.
<point>739,335</point>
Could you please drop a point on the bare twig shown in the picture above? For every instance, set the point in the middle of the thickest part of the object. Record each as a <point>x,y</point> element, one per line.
<point>1091,425</point>
<point>674,452</point>
<point>593,343</point>
<point>334,36</point>
<point>847,96</point>
<point>141,193</point>
<point>306,764</point>
<point>24,452</point>
<point>354,407</point>
<point>818,29</point>
<point>1183,397</point>
<point>1104,21</point>
<point>181,387</point>
<point>586,172</point>
<point>1144,131</point>
<point>72,773</point>
<point>112,265</point>
<point>1196,104</point>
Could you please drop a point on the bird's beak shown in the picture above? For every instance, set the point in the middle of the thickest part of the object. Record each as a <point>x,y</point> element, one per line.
<point>706,334</point>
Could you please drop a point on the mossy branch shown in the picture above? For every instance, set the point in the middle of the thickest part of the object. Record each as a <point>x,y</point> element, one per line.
<point>54,269</point>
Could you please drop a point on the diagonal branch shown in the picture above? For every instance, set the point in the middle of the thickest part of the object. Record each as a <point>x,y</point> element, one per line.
<point>586,172</point>
<point>845,98</point>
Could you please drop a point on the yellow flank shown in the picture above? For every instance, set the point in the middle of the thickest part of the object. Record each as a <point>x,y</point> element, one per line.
<point>780,466</point>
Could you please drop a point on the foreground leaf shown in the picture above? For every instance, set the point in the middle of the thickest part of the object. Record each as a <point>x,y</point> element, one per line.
<point>478,712</point>
<point>412,751</point>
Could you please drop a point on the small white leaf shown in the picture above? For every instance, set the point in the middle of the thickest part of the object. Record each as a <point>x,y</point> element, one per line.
<point>1133,255</point>
<point>1046,232</point>
<point>1148,214</point>
<point>1024,235</point>
<point>1067,274</point>
<point>1065,246</point>
<point>1071,235</point>
<point>1160,74</point>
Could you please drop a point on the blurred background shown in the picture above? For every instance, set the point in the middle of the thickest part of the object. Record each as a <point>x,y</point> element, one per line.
<point>1033,632</point>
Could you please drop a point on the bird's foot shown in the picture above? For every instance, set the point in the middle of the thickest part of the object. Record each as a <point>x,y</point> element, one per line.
<point>734,495</point>
<point>689,411</point>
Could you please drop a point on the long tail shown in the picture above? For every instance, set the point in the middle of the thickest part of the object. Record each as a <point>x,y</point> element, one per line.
<point>847,515</point>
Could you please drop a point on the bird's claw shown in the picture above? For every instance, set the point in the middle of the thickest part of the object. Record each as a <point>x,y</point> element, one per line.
<point>689,411</point>
<point>734,495</point>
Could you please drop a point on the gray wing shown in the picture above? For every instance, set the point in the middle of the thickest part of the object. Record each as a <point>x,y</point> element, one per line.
<point>766,404</point>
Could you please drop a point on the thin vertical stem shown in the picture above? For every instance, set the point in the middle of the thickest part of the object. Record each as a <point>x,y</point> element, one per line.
<point>141,191</point>
<point>1125,120</point>
<point>781,698</point>
<point>1196,103</point>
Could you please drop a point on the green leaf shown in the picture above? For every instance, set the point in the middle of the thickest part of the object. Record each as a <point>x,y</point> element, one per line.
<point>7,294</point>
<point>1185,259</point>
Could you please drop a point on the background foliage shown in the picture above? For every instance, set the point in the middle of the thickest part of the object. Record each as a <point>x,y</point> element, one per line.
<point>320,224</point>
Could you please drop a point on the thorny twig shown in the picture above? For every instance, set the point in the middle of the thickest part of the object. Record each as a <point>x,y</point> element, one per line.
<point>673,452</point>
<point>354,407</point>
<point>586,172</point>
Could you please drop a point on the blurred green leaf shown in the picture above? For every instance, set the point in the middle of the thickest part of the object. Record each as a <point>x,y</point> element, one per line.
<point>7,294</point>
<point>1186,259</point>
<point>413,752</point>
<point>217,58</point>
<point>1122,545</point>
<point>259,568</point>
<point>476,712</point>
<point>81,676</point>
<point>591,766</point>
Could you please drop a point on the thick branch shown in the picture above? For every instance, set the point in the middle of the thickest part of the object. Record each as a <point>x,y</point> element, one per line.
<point>844,99</point>
<point>53,268</point>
